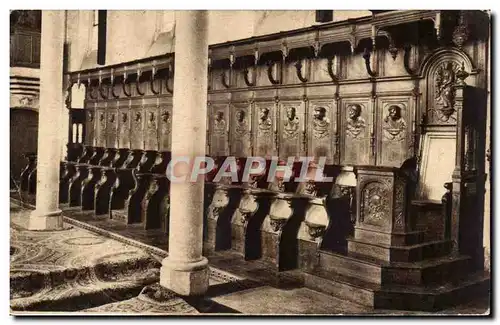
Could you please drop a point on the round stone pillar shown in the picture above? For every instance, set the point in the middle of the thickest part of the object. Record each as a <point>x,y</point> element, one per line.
<point>47,214</point>
<point>185,270</point>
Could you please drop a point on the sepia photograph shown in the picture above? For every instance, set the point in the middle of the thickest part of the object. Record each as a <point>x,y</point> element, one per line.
<point>250,162</point>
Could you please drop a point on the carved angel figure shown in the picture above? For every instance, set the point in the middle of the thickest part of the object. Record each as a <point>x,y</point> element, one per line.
<point>265,122</point>
<point>219,123</point>
<point>355,123</point>
<point>445,91</point>
<point>241,123</point>
<point>291,125</point>
<point>394,125</point>
<point>320,123</point>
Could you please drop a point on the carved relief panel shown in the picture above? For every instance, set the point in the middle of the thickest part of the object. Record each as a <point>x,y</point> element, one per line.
<point>219,129</point>
<point>124,128</point>
<point>375,204</point>
<point>441,93</point>
<point>264,125</point>
<point>165,127</point>
<point>151,128</point>
<point>240,130</point>
<point>357,126</point>
<point>321,128</point>
<point>90,126</point>
<point>111,128</point>
<point>394,131</point>
<point>291,129</point>
<point>137,128</point>
<point>100,134</point>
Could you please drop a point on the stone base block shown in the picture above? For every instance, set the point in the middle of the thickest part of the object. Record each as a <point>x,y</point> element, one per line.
<point>186,279</point>
<point>46,220</point>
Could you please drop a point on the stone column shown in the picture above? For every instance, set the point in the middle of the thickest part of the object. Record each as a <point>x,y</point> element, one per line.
<point>47,214</point>
<point>185,270</point>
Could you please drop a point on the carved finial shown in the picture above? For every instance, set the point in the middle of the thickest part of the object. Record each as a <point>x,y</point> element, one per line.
<point>316,47</point>
<point>461,32</point>
<point>462,75</point>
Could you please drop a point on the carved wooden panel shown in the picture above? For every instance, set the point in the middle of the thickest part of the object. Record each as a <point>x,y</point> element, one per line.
<point>241,118</point>
<point>376,204</point>
<point>219,129</point>
<point>356,119</point>
<point>111,128</point>
<point>124,128</point>
<point>291,129</point>
<point>441,92</point>
<point>136,128</point>
<point>151,128</point>
<point>394,121</point>
<point>265,126</point>
<point>100,133</point>
<point>321,129</point>
<point>165,128</point>
<point>90,126</point>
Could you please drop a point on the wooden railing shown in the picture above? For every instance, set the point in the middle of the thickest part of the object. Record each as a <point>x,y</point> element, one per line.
<point>25,48</point>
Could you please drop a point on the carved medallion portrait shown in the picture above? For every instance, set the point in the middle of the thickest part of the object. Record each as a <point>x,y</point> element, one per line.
<point>219,123</point>
<point>355,123</point>
<point>291,123</point>
<point>265,122</point>
<point>321,124</point>
<point>241,124</point>
<point>165,129</point>
<point>394,125</point>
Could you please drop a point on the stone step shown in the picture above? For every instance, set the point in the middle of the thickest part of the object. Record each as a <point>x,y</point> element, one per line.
<point>408,253</point>
<point>71,289</point>
<point>372,270</point>
<point>400,297</point>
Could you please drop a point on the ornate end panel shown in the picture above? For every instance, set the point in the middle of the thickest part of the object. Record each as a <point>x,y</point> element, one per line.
<point>90,120</point>
<point>100,134</point>
<point>291,129</point>
<point>219,129</point>
<point>151,128</point>
<point>321,129</point>
<point>124,120</point>
<point>112,128</point>
<point>394,130</point>
<point>240,129</point>
<point>165,128</point>
<point>137,128</point>
<point>265,127</point>
<point>356,128</point>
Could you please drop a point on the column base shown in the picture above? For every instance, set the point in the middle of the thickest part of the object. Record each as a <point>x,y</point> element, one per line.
<point>45,220</point>
<point>186,279</point>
